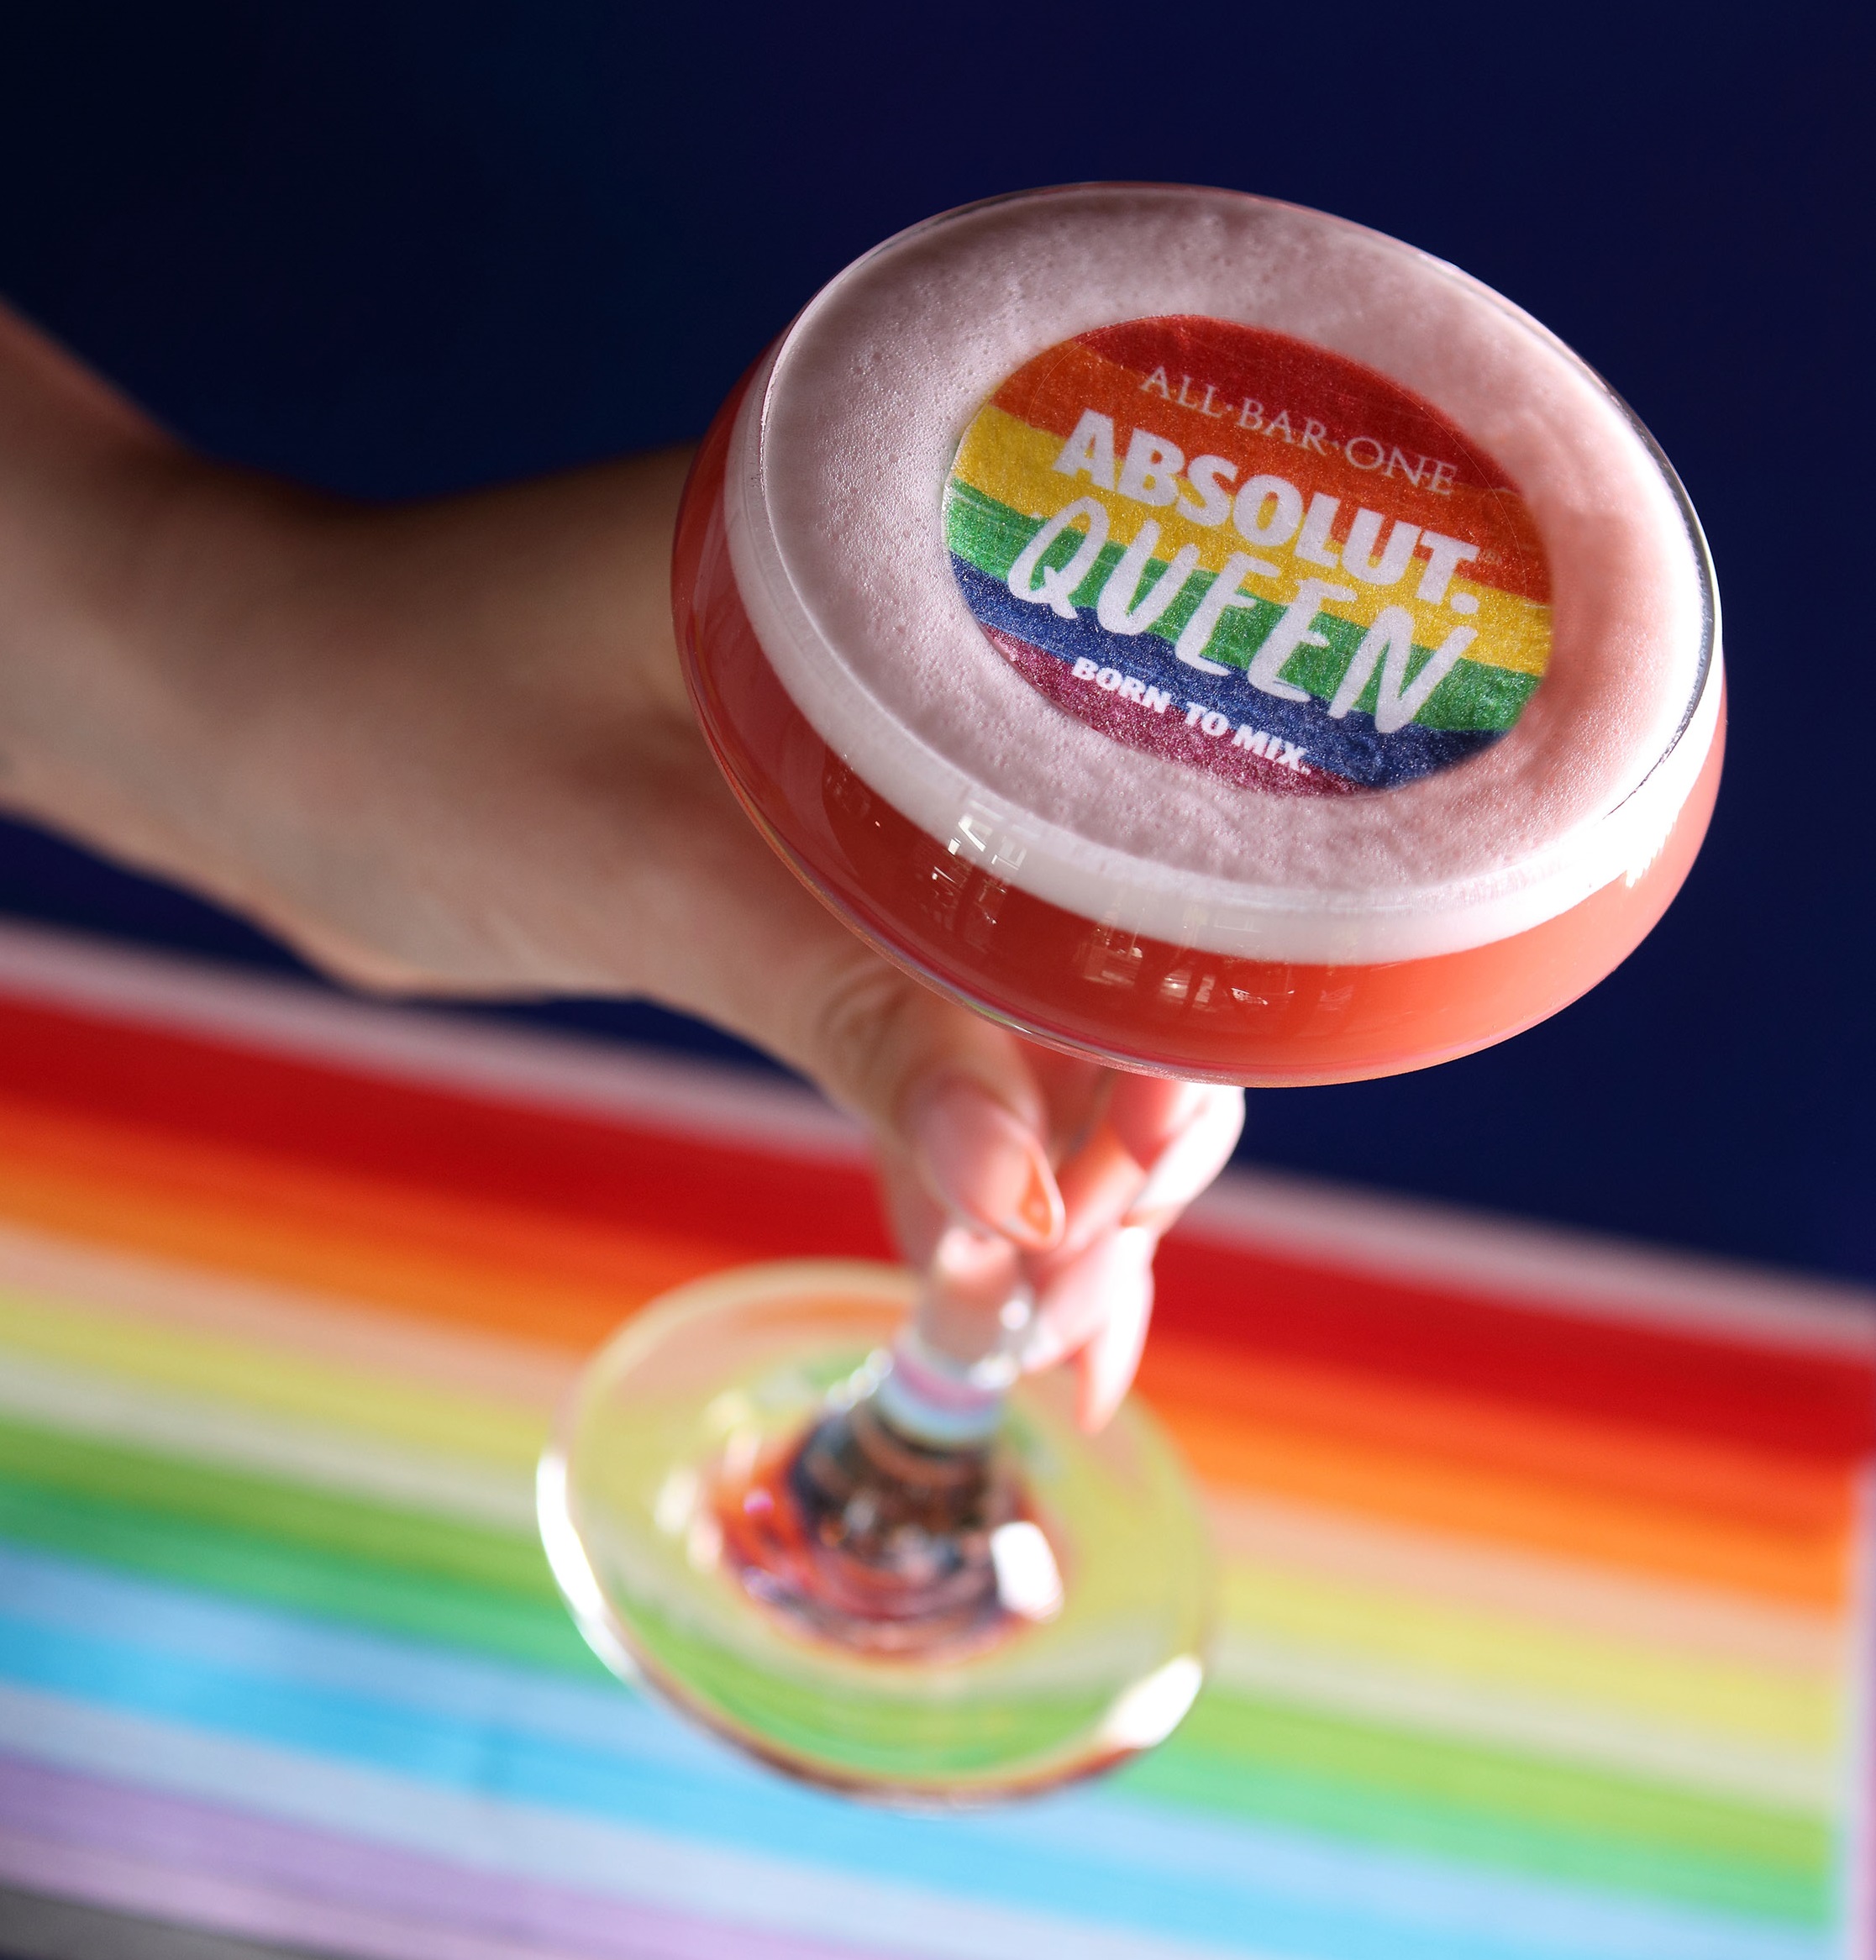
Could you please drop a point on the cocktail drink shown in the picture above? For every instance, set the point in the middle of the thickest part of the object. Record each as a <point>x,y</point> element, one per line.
<point>1130,606</point>
<point>1211,639</point>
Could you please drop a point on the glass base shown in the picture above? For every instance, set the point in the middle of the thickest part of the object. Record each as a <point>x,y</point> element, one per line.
<point>734,1519</point>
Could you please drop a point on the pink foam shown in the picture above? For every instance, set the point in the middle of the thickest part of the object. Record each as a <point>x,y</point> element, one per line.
<point>835,500</point>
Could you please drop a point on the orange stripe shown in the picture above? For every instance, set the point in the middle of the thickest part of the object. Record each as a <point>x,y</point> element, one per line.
<point>1602,1460</point>
<point>1695,1511</point>
<point>1667,1504</point>
<point>469,1263</point>
<point>1052,394</point>
<point>1805,1568</point>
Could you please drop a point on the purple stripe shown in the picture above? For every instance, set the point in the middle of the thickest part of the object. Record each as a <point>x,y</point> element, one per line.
<point>186,1860</point>
<point>216,1907</point>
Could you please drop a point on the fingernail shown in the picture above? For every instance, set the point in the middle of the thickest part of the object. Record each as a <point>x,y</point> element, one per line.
<point>1190,1160</point>
<point>981,1162</point>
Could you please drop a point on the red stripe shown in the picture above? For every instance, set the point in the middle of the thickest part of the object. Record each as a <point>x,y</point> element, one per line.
<point>1815,1405</point>
<point>758,1203</point>
<point>754,1202</point>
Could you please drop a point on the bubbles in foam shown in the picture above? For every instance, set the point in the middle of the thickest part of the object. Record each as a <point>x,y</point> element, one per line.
<point>835,508</point>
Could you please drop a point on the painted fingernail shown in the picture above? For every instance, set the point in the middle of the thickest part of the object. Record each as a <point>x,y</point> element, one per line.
<point>984,1165</point>
<point>1190,1160</point>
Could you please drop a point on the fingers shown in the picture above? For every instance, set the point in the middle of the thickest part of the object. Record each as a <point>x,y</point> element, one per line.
<point>1076,1167</point>
<point>1148,1111</point>
<point>1099,1184</point>
<point>970,1282</point>
<point>1109,1362</point>
<point>965,1156</point>
<point>979,1160</point>
<point>1157,1146</point>
<point>1095,1308</point>
<point>1211,1119</point>
<point>917,1219</point>
<point>962,1123</point>
<point>1073,1301</point>
<point>1076,1092</point>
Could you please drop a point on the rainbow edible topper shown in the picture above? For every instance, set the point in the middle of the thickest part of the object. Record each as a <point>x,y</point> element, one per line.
<point>1249,555</point>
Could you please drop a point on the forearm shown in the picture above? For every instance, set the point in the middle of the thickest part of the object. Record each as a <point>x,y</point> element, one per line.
<point>271,695</point>
<point>447,747</point>
<point>93,720</point>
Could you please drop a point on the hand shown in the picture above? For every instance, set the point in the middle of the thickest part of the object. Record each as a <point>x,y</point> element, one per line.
<point>1066,1183</point>
<point>446,747</point>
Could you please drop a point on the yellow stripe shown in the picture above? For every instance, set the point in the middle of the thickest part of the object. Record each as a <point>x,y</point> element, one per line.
<point>347,1332</point>
<point>1554,1728</point>
<point>1012,463</point>
<point>109,1344</point>
<point>1673,1689</point>
<point>1270,1606</point>
<point>1272,1597</point>
<point>45,1397</point>
<point>1265,1601</point>
<point>1601,1601</point>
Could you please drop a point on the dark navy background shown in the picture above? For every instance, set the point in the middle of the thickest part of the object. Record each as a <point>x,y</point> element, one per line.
<point>399,248</point>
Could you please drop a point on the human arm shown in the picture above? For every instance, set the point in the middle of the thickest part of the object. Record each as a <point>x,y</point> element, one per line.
<point>445,747</point>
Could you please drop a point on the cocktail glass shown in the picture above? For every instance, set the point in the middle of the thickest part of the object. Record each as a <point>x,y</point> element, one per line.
<point>820,1506</point>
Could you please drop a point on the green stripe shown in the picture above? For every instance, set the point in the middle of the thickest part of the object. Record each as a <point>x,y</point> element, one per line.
<point>330,1521</point>
<point>1300,1769</point>
<point>335,1558</point>
<point>280,1545</point>
<point>1474,697</point>
<point>988,534</point>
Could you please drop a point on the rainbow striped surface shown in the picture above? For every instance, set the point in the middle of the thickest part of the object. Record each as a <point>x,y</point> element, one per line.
<point>1546,1605</point>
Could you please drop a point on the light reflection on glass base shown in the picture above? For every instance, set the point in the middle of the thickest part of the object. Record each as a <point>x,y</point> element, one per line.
<point>730,1523</point>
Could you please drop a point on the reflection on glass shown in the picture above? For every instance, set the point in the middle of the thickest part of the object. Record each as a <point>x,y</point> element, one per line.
<point>737,1501</point>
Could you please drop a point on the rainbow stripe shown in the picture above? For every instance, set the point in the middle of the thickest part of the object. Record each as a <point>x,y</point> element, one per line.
<point>1004,485</point>
<point>1547,1625</point>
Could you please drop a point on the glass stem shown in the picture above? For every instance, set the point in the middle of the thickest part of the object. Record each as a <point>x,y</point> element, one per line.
<point>956,1358</point>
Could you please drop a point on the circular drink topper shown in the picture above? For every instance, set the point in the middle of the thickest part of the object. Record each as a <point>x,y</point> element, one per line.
<point>1245,554</point>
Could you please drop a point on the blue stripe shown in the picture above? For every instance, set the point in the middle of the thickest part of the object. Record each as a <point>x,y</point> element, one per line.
<point>495,1730</point>
<point>1350,747</point>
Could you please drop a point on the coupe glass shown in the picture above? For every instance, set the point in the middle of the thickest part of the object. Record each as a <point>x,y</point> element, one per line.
<point>738,1509</point>
<point>819,1506</point>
